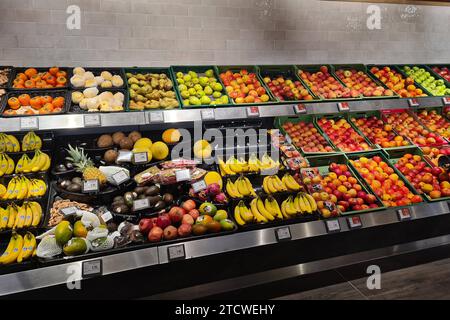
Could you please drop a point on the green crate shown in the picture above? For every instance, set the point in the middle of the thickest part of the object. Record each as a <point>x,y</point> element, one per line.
<point>401,66</point>
<point>250,69</point>
<point>384,157</point>
<point>200,70</point>
<point>337,117</point>
<point>279,121</point>
<point>395,156</point>
<point>287,71</point>
<point>439,111</point>
<point>429,67</point>
<point>322,163</point>
<point>363,68</point>
<point>136,70</point>
<point>315,68</point>
<point>367,114</point>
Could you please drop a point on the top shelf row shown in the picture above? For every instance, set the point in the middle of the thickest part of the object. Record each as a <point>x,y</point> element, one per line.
<point>41,91</point>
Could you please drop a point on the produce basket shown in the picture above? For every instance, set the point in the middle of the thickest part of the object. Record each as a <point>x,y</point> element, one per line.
<point>288,72</point>
<point>250,69</point>
<point>443,131</point>
<point>16,71</point>
<point>165,71</point>
<point>97,72</point>
<point>200,70</point>
<point>5,85</point>
<point>35,93</point>
<point>75,108</point>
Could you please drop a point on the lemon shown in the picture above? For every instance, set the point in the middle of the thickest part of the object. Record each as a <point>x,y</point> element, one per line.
<point>143,143</point>
<point>160,150</point>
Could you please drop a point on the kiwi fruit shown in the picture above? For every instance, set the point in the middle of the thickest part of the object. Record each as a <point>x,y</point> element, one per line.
<point>105,141</point>
<point>126,143</point>
<point>117,137</point>
<point>111,156</point>
<point>135,136</point>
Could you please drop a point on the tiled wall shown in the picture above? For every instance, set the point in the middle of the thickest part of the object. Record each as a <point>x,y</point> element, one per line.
<point>165,32</point>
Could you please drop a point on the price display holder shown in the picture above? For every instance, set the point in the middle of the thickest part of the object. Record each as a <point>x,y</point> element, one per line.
<point>92,120</point>
<point>208,114</point>
<point>283,234</point>
<point>120,177</point>
<point>343,107</point>
<point>156,117</point>
<point>90,186</point>
<point>300,109</point>
<point>354,222</point>
<point>107,216</point>
<point>446,101</point>
<point>404,214</point>
<point>92,269</point>
<point>183,175</point>
<point>199,186</point>
<point>333,226</point>
<point>177,252</point>
<point>141,204</point>
<point>413,103</point>
<point>29,123</point>
<point>69,211</point>
<point>253,112</point>
<point>140,158</point>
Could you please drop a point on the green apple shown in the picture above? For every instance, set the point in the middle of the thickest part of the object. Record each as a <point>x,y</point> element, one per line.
<point>200,93</point>
<point>187,78</point>
<point>208,90</point>
<point>185,94</point>
<point>209,73</point>
<point>198,87</point>
<point>180,75</point>
<point>205,100</point>
<point>182,87</point>
<point>192,91</point>
<point>186,102</point>
<point>217,95</point>
<point>194,101</point>
<point>218,87</point>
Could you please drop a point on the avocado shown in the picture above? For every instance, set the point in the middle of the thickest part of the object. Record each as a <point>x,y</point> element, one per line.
<point>208,209</point>
<point>63,232</point>
<point>129,198</point>
<point>152,191</point>
<point>75,246</point>
<point>199,230</point>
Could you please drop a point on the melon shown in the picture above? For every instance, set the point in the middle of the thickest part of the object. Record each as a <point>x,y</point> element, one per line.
<point>213,177</point>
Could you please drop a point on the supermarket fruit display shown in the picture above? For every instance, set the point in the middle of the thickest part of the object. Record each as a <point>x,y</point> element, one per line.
<point>244,87</point>
<point>35,104</point>
<point>40,78</point>
<point>287,89</point>
<point>434,121</point>
<point>105,79</point>
<point>434,86</point>
<point>200,88</point>
<point>444,72</point>
<point>151,91</point>
<point>394,80</point>
<point>91,100</point>
<point>342,134</point>
<point>361,82</point>
<point>306,137</point>
<point>21,187</point>
<point>292,159</point>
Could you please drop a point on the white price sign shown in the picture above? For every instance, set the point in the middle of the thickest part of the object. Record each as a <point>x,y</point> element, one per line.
<point>92,120</point>
<point>300,108</point>
<point>283,234</point>
<point>343,106</point>
<point>183,175</point>
<point>141,204</point>
<point>208,114</point>
<point>404,214</point>
<point>252,112</point>
<point>69,211</point>
<point>156,117</point>
<point>90,186</point>
<point>120,177</point>
<point>446,101</point>
<point>199,186</point>
<point>176,252</point>
<point>92,268</point>
<point>140,158</point>
<point>333,226</point>
<point>29,123</point>
<point>354,222</point>
<point>107,216</point>
<point>269,172</point>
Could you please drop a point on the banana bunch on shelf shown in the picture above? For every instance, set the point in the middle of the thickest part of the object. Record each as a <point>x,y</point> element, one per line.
<point>273,184</point>
<point>235,166</point>
<point>259,212</point>
<point>40,162</point>
<point>241,188</point>
<point>20,248</point>
<point>6,164</point>
<point>302,204</point>
<point>31,142</point>
<point>9,143</point>
<point>19,217</point>
<point>20,188</point>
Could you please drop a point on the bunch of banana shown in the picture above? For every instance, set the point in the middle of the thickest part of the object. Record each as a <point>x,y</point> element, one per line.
<point>241,188</point>
<point>233,166</point>
<point>19,249</point>
<point>273,184</point>
<point>39,163</point>
<point>9,143</point>
<point>268,163</point>
<point>26,216</point>
<point>242,214</point>
<point>31,142</point>
<point>21,187</point>
<point>290,183</point>
<point>302,204</point>
<point>260,211</point>
<point>6,164</point>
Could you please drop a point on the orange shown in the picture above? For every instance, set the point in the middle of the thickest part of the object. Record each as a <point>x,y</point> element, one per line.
<point>51,80</point>
<point>58,102</point>
<point>14,103</point>
<point>30,72</point>
<point>24,99</point>
<point>171,136</point>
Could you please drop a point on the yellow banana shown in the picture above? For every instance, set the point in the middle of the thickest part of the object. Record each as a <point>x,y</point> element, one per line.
<point>10,169</point>
<point>225,168</point>
<point>242,187</point>
<point>270,184</point>
<point>9,248</point>
<point>23,189</point>
<point>290,183</point>
<point>2,142</point>
<point>3,164</point>
<point>28,247</point>
<point>12,256</point>
<point>290,209</point>
<point>29,215</point>
<point>275,208</point>
<point>37,213</point>
<point>279,184</point>
<point>311,201</point>
<point>232,190</point>
<point>283,210</point>
<point>306,203</point>
<point>237,216</point>
<point>4,216</point>
<point>263,211</point>
<point>303,207</point>
<point>12,211</point>
<point>246,213</point>
<point>249,186</point>
<point>11,189</point>
<point>20,218</point>
<point>15,143</point>
<point>258,216</point>
<point>48,162</point>
<point>265,185</point>
<point>296,203</point>
<point>38,142</point>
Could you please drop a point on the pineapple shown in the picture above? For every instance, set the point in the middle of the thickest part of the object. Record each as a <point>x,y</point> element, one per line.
<point>85,165</point>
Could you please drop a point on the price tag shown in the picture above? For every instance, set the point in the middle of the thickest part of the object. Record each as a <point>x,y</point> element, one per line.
<point>404,214</point>
<point>29,123</point>
<point>92,120</point>
<point>270,171</point>
<point>91,269</point>
<point>252,112</point>
<point>288,139</point>
<point>90,186</point>
<point>300,108</point>
<point>120,177</point>
<point>69,211</point>
<point>343,106</point>
<point>176,252</point>
<point>208,114</point>
<point>140,158</point>
<point>333,226</point>
<point>183,175</point>
<point>125,156</point>
<point>199,186</point>
<point>141,204</point>
<point>156,117</point>
<point>413,102</point>
<point>354,222</point>
<point>107,216</point>
<point>446,101</point>
<point>283,234</point>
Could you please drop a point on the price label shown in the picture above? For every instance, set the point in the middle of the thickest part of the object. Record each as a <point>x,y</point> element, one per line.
<point>156,117</point>
<point>141,204</point>
<point>29,123</point>
<point>120,177</point>
<point>90,186</point>
<point>270,171</point>
<point>93,268</point>
<point>300,108</point>
<point>140,158</point>
<point>183,175</point>
<point>125,156</point>
<point>107,216</point>
<point>354,222</point>
<point>199,186</point>
<point>69,211</point>
<point>208,114</point>
<point>404,214</point>
<point>333,226</point>
<point>343,106</point>
<point>283,234</point>
<point>446,101</point>
<point>413,102</point>
<point>176,252</point>
<point>92,120</point>
<point>288,139</point>
<point>252,112</point>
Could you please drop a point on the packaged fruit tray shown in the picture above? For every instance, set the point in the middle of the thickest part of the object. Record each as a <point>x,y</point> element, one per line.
<point>234,77</point>
<point>372,168</point>
<point>431,182</point>
<point>162,102</point>
<point>433,86</point>
<point>396,80</point>
<point>336,127</point>
<point>371,126</point>
<point>191,100</point>
<point>33,103</point>
<point>5,76</point>
<point>324,75</point>
<point>276,79</point>
<point>57,78</point>
<point>289,127</point>
<point>434,119</point>
<point>105,78</point>
<point>98,100</point>
<point>356,77</point>
<point>345,185</point>
<point>440,71</point>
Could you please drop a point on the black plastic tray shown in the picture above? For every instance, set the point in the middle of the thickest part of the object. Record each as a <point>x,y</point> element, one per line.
<point>97,72</point>
<point>22,69</point>
<point>53,93</point>
<point>74,108</point>
<point>5,86</point>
